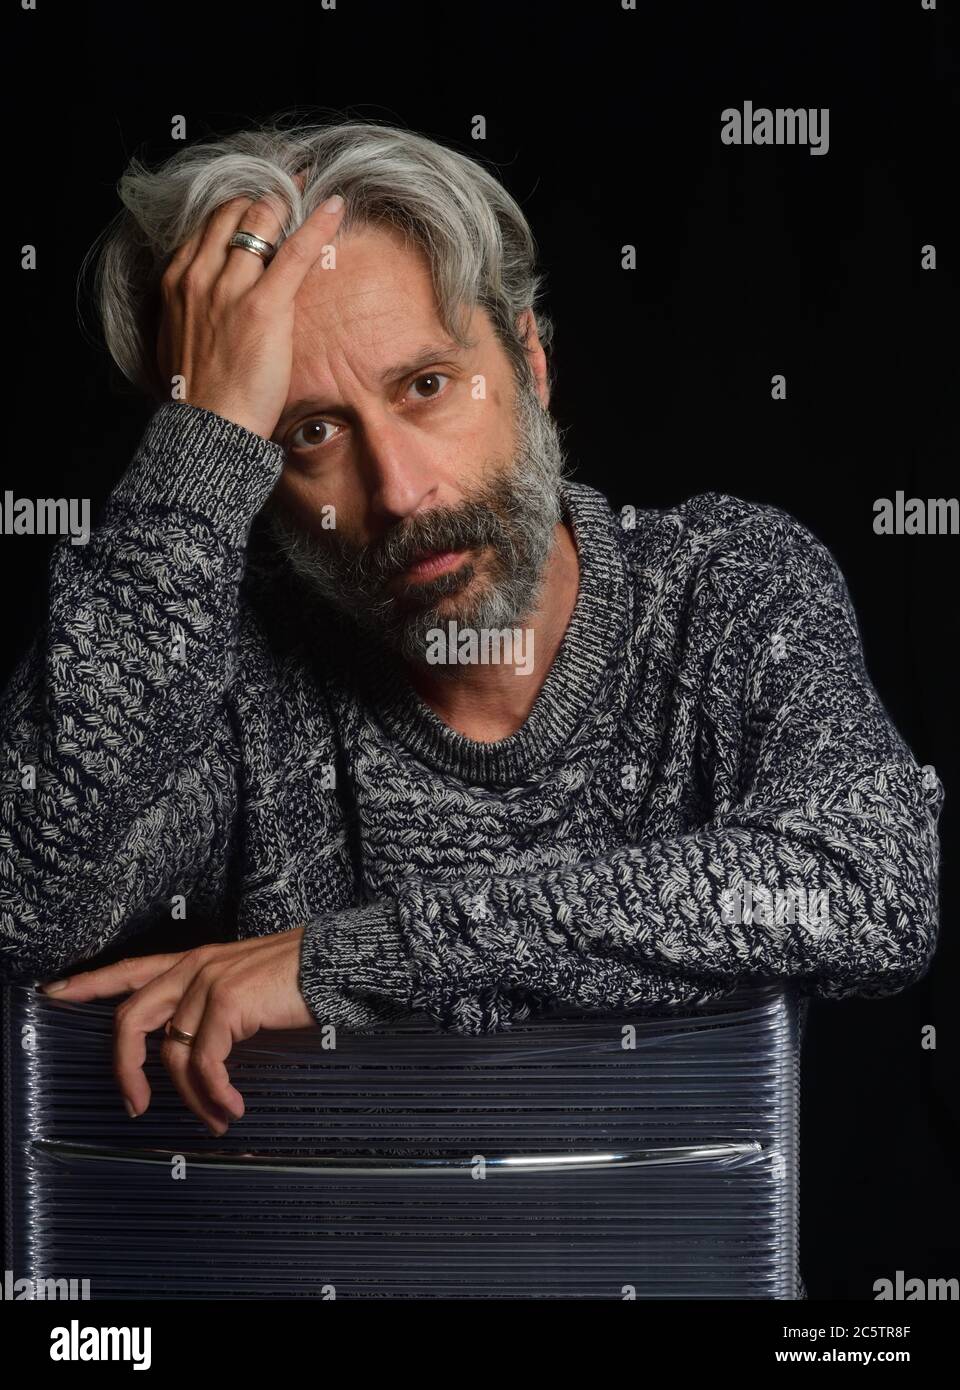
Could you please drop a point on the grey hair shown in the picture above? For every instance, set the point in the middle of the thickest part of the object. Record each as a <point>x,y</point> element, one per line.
<point>480,248</point>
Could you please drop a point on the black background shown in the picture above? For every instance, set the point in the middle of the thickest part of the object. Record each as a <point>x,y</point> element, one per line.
<point>605,125</point>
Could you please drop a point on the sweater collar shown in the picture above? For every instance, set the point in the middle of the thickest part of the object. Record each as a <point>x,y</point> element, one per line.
<point>578,681</point>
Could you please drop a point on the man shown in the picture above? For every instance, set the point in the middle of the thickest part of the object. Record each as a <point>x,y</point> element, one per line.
<point>459,740</point>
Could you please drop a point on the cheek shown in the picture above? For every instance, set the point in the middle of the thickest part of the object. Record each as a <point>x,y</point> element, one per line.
<point>488,412</point>
<point>484,429</point>
<point>310,503</point>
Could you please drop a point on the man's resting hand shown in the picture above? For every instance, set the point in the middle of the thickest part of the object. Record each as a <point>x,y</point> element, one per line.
<point>221,994</point>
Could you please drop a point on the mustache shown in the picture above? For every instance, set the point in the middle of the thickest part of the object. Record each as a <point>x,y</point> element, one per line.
<point>473,526</point>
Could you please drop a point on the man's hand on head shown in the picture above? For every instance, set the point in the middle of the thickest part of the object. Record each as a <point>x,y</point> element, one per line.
<point>227,314</point>
<point>218,994</point>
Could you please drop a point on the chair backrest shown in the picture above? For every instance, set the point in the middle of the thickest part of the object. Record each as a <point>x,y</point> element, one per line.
<point>579,1156</point>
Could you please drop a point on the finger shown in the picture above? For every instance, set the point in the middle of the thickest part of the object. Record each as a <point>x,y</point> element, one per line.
<point>204,1086</point>
<point>176,1058</point>
<point>266,220</point>
<point>244,268</point>
<point>211,1048</point>
<point>186,255</point>
<point>122,977</point>
<point>301,250</point>
<point>212,252</point>
<point>182,256</point>
<point>197,1008</point>
<point>145,1011</point>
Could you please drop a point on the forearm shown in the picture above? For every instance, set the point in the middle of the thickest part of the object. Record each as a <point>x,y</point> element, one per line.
<point>118,768</point>
<point>650,915</point>
<point>367,966</point>
<point>651,925</point>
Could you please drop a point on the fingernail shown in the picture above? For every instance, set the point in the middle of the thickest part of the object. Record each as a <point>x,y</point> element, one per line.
<point>130,1110</point>
<point>333,204</point>
<point>54,986</point>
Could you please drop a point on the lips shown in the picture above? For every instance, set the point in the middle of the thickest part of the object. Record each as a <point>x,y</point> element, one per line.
<point>432,563</point>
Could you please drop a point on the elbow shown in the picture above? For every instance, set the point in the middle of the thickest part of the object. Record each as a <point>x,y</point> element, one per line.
<point>890,932</point>
<point>913,929</point>
<point>879,970</point>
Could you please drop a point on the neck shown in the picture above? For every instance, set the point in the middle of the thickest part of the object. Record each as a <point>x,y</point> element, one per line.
<point>488,702</point>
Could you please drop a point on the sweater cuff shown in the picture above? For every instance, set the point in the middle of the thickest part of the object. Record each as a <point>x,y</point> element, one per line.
<point>354,969</point>
<point>199,461</point>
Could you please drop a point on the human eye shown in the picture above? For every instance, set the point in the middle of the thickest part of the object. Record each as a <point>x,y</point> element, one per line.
<point>434,378</point>
<point>310,435</point>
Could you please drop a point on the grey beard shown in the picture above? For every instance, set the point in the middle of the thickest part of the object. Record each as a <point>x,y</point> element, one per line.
<point>514,513</point>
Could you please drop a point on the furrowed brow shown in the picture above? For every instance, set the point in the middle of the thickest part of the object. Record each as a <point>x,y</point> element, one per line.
<point>423,359</point>
<point>432,353</point>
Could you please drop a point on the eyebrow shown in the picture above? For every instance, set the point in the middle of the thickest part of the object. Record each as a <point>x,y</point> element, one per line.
<point>426,355</point>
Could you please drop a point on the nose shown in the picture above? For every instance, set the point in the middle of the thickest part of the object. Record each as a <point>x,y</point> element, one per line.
<point>400,475</point>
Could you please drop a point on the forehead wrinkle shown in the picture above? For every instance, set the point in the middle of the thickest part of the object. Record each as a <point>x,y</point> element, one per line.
<point>385,335</point>
<point>333,372</point>
<point>383,288</point>
<point>365,304</point>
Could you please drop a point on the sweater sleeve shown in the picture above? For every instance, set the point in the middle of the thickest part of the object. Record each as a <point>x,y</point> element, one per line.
<point>117,760</point>
<point>819,869</point>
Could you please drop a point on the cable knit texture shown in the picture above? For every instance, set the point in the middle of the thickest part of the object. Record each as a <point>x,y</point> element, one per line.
<point>190,726</point>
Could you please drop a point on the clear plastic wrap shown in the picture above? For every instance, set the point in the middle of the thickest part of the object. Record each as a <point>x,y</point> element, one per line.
<point>549,1162</point>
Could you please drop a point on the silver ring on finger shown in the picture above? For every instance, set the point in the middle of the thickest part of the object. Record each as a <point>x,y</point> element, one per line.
<point>247,241</point>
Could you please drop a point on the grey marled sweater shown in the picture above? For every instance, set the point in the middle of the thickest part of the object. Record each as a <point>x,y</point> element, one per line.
<point>707,726</point>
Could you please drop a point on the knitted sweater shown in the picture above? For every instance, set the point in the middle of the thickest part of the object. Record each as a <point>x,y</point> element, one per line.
<point>203,734</point>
